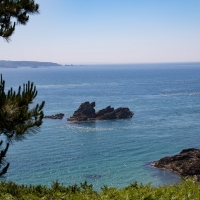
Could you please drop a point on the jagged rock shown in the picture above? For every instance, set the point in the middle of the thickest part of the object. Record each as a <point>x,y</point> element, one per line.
<point>86,112</point>
<point>57,116</point>
<point>186,163</point>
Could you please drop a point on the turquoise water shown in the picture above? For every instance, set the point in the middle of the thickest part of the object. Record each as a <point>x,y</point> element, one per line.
<point>165,99</point>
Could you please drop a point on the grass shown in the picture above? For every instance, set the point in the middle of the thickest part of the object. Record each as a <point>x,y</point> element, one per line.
<point>186,190</point>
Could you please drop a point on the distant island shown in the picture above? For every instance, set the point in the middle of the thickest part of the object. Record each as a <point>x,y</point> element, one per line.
<point>33,64</point>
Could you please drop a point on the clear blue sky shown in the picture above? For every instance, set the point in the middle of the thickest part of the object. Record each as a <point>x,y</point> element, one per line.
<point>108,31</point>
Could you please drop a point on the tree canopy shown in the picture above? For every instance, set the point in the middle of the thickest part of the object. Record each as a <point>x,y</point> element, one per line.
<point>16,116</point>
<point>14,12</point>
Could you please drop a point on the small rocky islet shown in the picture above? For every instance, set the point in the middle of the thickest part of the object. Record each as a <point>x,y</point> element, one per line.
<point>57,116</point>
<point>86,112</point>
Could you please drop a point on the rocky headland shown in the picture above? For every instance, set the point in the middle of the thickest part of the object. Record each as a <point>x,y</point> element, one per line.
<point>186,163</point>
<point>86,112</point>
<point>14,64</point>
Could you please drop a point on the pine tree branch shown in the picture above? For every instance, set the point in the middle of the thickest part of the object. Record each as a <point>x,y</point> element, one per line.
<point>16,118</point>
<point>18,10</point>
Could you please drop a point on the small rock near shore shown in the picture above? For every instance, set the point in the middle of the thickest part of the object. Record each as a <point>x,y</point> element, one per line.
<point>57,116</point>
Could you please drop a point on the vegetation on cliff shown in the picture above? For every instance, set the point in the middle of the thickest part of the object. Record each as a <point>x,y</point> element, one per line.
<point>185,190</point>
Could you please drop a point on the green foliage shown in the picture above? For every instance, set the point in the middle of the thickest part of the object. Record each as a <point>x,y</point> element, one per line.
<point>16,116</point>
<point>15,9</point>
<point>187,190</point>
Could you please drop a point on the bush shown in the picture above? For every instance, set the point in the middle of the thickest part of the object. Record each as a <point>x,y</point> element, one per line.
<point>185,190</point>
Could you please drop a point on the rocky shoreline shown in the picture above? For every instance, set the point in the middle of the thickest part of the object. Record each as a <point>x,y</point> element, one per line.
<point>86,112</point>
<point>186,163</point>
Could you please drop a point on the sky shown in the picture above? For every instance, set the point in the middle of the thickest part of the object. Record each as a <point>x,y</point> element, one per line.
<point>108,31</point>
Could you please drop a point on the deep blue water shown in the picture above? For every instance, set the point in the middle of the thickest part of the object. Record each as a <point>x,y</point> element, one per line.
<point>165,99</point>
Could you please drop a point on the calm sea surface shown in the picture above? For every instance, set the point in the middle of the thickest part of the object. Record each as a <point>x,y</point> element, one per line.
<point>165,99</point>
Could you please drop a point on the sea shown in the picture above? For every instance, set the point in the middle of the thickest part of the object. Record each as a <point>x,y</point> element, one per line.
<point>165,100</point>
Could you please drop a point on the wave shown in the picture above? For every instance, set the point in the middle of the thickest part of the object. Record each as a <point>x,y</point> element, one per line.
<point>181,94</point>
<point>77,85</point>
<point>89,129</point>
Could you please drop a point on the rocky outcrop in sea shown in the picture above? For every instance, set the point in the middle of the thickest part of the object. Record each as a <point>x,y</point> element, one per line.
<point>86,112</point>
<point>186,163</point>
<point>57,116</point>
